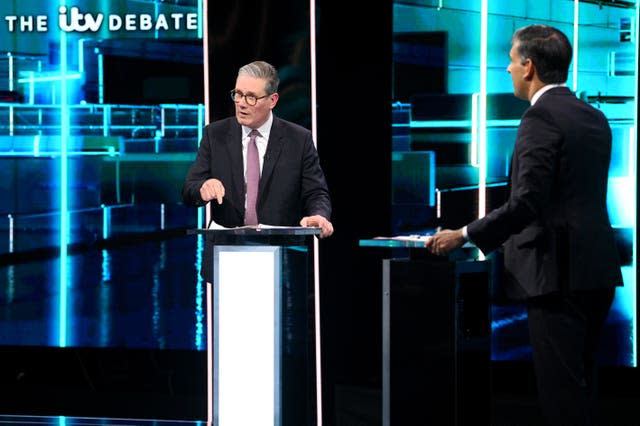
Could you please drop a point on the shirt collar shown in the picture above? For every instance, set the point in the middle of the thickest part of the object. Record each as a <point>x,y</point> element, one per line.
<point>264,130</point>
<point>543,90</point>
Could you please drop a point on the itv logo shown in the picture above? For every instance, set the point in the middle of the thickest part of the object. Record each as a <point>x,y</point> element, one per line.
<point>72,20</point>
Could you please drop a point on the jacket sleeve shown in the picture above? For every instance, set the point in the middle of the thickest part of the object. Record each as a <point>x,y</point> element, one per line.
<point>198,173</point>
<point>534,172</point>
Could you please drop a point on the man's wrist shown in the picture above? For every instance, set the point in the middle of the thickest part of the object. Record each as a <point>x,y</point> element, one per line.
<point>464,233</point>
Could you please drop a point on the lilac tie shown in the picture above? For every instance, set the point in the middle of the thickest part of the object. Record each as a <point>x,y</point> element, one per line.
<point>253,179</point>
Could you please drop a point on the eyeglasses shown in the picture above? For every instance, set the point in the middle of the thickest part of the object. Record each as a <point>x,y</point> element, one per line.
<point>249,99</point>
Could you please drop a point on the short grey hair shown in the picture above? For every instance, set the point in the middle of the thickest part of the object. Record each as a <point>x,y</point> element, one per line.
<point>264,71</point>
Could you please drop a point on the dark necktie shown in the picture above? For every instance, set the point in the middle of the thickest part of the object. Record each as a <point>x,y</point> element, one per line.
<point>253,179</point>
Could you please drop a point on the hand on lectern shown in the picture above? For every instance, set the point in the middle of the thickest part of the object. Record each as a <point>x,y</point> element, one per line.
<point>445,241</point>
<point>326,228</point>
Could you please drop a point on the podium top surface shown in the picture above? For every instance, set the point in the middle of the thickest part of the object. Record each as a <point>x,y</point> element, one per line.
<point>257,231</point>
<point>409,241</point>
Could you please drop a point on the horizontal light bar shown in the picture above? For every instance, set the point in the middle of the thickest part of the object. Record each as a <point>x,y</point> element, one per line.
<point>74,76</point>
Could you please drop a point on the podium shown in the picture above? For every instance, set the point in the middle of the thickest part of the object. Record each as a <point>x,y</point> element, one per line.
<point>436,329</point>
<point>263,327</point>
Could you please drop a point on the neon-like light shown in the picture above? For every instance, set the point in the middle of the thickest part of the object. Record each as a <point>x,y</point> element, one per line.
<point>200,292</point>
<point>482,122</point>
<point>36,146</point>
<point>200,121</point>
<point>56,77</point>
<point>32,88</point>
<point>106,221</point>
<point>81,55</point>
<point>474,129</point>
<point>100,79</point>
<point>10,88</point>
<point>434,124</point>
<point>316,285</point>
<point>576,14</point>
<point>312,37</point>
<point>11,228</point>
<point>64,208</point>
<point>632,157</point>
<point>10,56</point>
<point>316,276</point>
<point>200,29</point>
<point>205,63</point>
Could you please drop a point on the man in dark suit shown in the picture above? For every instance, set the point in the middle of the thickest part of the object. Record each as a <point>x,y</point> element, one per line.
<point>559,249</point>
<point>292,190</point>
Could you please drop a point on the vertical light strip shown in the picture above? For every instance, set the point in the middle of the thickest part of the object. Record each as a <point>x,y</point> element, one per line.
<point>11,78</point>
<point>209,293</point>
<point>81,55</point>
<point>100,79</point>
<point>11,230</point>
<point>316,298</point>
<point>200,30</point>
<point>32,88</point>
<point>200,314</point>
<point>474,129</point>
<point>205,63</point>
<point>312,37</point>
<point>64,212</point>
<point>633,180</point>
<point>207,214</point>
<point>576,16</point>
<point>106,120</point>
<point>482,125</point>
<point>633,157</point>
<point>11,110</point>
<point>106,222</point>
<point>316,254</point>
<point>36,146</point>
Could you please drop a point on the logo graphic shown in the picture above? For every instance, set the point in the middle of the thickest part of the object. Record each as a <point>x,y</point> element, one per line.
<point>72,20</point>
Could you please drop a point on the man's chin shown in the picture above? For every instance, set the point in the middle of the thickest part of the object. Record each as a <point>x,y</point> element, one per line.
<point>242,120</point>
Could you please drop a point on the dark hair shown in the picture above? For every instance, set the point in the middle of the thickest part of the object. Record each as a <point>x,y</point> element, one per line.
<point>548,48</point>
<point>264,71</point>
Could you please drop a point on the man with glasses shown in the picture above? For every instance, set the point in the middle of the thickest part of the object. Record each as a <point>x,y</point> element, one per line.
<point>292,190</point>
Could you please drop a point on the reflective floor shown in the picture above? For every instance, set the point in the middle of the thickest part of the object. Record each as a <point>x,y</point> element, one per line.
<point>145,294</point>
<point>90,421</point>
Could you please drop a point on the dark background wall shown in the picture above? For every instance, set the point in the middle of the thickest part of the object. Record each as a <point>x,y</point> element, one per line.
<point>354,141</point>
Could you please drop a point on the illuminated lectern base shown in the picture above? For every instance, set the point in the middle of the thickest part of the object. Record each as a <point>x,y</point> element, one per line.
<point>247,338</point>
<point>263,328</point>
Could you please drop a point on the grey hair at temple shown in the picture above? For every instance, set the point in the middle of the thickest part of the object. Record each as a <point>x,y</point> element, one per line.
<point>262,70</point>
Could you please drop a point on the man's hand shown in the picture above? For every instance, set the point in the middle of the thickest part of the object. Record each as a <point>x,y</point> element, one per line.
<point>445,241</point>
<point>212,189</point>
<point>326,228</point>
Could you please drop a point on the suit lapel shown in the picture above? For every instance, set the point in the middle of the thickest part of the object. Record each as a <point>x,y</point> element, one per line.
<point>234,148</point>
<point>274,148</point>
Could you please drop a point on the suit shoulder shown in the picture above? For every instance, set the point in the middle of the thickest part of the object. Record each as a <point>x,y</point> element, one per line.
<point>290,127</point>
<point>221,126</point>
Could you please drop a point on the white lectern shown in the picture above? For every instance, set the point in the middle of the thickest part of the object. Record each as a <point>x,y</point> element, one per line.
<point>263,327</point>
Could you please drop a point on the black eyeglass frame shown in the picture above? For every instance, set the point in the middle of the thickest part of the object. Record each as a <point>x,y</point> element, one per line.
<point>249,99</point>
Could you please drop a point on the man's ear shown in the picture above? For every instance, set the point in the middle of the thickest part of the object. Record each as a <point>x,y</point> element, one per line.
<point>529,70</point>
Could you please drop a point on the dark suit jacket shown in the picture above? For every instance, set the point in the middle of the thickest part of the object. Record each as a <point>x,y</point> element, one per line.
<point>292,184</point>
<point>555,226</point>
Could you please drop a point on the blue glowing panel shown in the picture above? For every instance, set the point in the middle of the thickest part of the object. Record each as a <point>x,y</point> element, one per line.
<point>471,125</point>
<point>101,111</point>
